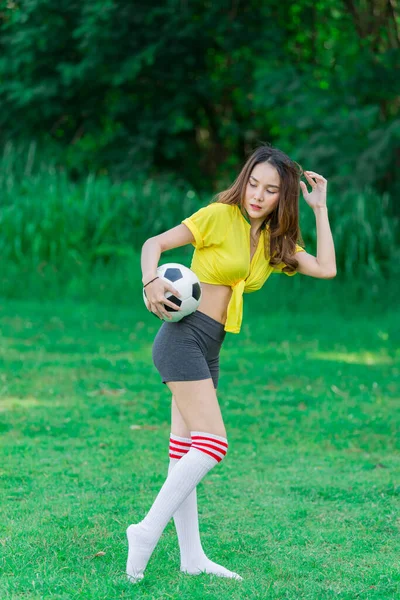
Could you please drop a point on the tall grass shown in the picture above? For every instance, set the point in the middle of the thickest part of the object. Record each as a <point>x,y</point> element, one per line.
<point>45,218</point>
<point>52,228</point>
<point>366,235</point>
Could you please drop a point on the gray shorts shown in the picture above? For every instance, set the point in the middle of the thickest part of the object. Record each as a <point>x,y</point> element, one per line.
<point>189,349</point>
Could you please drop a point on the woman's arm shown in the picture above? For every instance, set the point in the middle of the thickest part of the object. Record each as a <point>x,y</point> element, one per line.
<point>323,265</point>
<point>153,247</point>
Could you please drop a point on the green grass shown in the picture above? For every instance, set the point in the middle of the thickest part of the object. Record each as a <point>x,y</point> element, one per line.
<point>306,504</point>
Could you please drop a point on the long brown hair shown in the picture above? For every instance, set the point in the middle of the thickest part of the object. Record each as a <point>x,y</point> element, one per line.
<point>281,227</point>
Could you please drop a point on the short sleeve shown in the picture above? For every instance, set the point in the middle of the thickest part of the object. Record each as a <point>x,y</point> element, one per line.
<point>278,268</point>
<point>210,224</point>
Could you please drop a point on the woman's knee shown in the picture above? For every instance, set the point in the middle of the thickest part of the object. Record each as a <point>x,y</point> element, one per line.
<point>213,445</point>
<point>198,405</point>
<point>178,425</point>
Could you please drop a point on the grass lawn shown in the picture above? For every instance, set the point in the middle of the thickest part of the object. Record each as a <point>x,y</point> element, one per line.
<point>306,504</point>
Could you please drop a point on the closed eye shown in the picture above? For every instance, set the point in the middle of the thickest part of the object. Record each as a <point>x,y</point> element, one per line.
<point>269,191</point>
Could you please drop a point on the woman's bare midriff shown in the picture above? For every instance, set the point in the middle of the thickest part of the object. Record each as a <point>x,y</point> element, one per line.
<point>214,301</point>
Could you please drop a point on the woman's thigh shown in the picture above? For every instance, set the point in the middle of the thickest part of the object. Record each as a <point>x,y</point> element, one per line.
<point>198,406</point>
<point>186,354</point>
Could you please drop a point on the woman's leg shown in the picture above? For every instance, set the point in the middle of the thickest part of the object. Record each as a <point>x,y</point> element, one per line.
<point>198,405</point>
<point>193,559</point>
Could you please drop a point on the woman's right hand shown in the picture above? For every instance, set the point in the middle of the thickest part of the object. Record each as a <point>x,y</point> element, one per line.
<point>155,294</point>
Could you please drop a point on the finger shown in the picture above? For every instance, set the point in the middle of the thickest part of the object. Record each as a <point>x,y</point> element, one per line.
<point>308,175</point>
<point>171,304</point>
<point>154,308</point>
<point>310,180</point>
<point>304,188</point>
<point>166,313</point>
<point>167,302</point>
<point>174,292</point>
<point>313,173</point>
<point>163,307</point>
<point>316,175</point>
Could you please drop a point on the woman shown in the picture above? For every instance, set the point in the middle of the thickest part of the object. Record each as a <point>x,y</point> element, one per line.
<point>234,254</point>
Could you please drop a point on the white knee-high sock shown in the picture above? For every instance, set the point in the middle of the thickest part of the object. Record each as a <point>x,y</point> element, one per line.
<point>192,556</point>
<point>186,517</point>
<point>206,451</point>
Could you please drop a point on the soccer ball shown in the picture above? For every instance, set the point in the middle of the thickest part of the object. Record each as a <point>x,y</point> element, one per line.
<point>187,283</point>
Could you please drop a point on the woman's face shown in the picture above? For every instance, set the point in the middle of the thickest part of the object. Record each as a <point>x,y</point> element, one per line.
<point>262,190</point>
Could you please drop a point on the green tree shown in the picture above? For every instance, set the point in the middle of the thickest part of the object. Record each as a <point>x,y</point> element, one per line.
<point>191,87</point>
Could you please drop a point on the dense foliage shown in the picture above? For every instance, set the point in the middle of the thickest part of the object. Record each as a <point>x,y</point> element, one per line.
<point>190,87</point>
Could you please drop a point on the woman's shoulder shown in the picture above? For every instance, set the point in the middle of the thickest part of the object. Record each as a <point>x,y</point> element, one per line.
<point>210,224</point>
<point>216,210</point>
<point>221,207</point>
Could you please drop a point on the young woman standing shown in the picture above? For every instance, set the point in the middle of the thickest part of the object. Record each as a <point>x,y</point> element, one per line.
<point>249,232</point>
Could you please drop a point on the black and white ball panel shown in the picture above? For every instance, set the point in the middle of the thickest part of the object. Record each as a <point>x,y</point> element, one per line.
<point>173,274</point>
<point>196,291</point>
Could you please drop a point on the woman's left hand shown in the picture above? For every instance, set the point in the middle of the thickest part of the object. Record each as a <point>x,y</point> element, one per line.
<point>317,197</point>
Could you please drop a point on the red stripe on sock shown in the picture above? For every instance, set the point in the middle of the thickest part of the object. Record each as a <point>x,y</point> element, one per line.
<point>183,448</point>
<point>200,437</point>
<point>177,443</point>
<point>178,450</point>
<point>217,458</point>
<point>213,447</point>
<point>182,451</point>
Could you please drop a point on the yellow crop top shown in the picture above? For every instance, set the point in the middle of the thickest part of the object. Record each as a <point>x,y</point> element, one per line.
<point>222,255</point>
